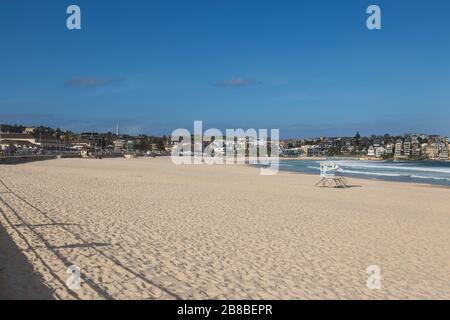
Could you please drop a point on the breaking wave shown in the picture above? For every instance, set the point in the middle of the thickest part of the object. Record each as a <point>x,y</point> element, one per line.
<point>437,172</point>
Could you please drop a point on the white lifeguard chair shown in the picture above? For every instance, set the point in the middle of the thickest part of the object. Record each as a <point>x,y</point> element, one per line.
<point>328,171</point>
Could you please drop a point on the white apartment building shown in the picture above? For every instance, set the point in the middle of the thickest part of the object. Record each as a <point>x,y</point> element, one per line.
<point>398,149</point>
<point>380,152</point>
<point>390,148</point>
<point>371,151</point>
<point>443,151</point>
<point>407,148</point>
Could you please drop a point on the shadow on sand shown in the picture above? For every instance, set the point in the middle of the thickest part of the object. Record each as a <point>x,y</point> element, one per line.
<point>18,280</point>
<point>348,186</point>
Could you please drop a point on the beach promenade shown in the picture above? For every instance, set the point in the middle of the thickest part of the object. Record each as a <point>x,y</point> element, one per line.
<point>147,229</point>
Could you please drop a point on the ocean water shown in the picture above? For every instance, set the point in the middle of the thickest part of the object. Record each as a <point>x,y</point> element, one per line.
<point>431,172</point>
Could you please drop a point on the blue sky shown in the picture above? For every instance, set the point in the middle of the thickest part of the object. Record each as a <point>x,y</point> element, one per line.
<point>308,68</point>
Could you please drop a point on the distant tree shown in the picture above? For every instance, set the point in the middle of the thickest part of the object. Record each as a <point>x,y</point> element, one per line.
<point>161,144</point>
<point>12,128</point>
<point>334,151</point>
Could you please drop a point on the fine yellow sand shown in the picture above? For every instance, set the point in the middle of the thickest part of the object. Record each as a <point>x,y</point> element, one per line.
<point>147,229</point>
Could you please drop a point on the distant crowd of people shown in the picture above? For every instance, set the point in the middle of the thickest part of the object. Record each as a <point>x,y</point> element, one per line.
<point>12,151</point>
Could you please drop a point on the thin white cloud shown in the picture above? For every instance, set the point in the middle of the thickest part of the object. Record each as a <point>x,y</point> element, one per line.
<point>236,82</point>
<point>89,82</point>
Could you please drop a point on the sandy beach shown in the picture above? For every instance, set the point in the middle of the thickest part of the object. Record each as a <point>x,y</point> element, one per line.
<point>147,229</point>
